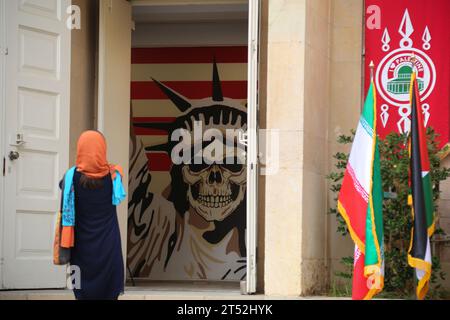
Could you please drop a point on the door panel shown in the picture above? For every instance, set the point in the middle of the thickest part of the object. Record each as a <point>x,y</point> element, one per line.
<point>44,8</point>
<point>37,130</point>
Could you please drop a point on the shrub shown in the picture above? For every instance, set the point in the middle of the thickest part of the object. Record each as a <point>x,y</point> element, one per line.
<point>399,277</point>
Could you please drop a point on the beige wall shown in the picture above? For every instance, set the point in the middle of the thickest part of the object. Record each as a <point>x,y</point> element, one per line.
<point>83,79</point>
<point>263,125</point>
<point>345,104</point>
<point>313,70</point>
<point>297,103</point>
<point>284,111</point>
<point>315,140</point>
<point>114,92</point>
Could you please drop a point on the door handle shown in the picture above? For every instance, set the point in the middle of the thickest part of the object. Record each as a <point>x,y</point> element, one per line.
<point>18,141</point>
<point>18,144</point>
<point>14,155</point>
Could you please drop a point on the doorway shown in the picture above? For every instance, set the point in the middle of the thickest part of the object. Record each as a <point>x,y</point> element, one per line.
<point>188,63</point>
<point>192,67</point>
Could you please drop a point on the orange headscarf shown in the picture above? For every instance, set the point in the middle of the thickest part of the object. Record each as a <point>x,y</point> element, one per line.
<point>91,161</point>
<point>91,156</point>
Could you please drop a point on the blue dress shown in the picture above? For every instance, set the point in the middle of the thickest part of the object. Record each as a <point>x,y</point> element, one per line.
<point>98,249</point>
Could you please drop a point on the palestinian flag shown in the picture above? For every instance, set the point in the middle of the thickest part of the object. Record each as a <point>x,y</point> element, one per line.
<point>421,197</point>
<point>360,204</point>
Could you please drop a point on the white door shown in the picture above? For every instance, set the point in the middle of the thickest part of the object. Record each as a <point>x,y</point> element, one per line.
<point>252,148</point>
<point>36,135</point>
<point>2,112</point>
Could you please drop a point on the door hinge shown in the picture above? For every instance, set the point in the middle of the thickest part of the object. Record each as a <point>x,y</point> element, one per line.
<point>252,262</point>
<point>254,47</point>
<point>4,166</point>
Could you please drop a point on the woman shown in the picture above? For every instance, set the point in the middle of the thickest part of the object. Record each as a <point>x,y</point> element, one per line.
<point>91,191</point>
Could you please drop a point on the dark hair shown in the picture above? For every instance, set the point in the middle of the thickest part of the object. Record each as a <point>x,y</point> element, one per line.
<point>91,184</point>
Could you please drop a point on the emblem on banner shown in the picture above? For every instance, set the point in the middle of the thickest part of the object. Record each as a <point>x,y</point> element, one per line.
<point>393,75</point>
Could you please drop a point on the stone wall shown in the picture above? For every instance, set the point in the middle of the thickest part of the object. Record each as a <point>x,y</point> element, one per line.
<point>297,104</point>
<point>284,98</point>
<point>315,140</point>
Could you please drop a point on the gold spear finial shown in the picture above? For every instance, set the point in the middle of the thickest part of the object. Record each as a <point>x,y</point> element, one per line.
<point>413,60</point>
<point>372,67</point>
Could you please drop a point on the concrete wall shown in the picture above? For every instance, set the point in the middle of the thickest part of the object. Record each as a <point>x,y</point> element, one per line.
<point>345,105</point>
<point>83,73</point>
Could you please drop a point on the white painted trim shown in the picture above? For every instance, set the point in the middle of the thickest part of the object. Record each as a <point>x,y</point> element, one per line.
<point>252,146</point>
<point>2,130</point>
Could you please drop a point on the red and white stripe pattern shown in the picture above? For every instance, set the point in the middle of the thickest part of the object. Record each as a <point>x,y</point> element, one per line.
<point>188,71</point>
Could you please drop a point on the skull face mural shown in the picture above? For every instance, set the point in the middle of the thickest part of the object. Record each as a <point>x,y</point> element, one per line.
<point>195,228</point>
<point>216,191</point>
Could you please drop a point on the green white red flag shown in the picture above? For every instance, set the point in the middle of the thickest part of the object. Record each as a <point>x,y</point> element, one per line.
<point>360,204</point>
<point>421,195</point>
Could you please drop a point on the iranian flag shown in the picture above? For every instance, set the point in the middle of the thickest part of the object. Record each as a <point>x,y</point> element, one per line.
<point>360,204</point>
<point>421,197</point>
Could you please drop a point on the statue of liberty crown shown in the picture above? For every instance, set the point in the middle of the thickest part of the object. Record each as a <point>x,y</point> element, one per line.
<point>216,111</point>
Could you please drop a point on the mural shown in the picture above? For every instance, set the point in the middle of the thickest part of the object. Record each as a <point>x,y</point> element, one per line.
<point>187,220</point>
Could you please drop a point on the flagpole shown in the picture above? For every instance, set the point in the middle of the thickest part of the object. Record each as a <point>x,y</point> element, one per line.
<point>372,67</point>
<point>413,61</point>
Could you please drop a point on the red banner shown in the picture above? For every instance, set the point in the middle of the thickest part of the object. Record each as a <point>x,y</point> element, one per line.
<point>398,35</point>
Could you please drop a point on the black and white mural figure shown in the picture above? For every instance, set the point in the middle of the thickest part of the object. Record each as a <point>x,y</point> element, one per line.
<point>195,229</point>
